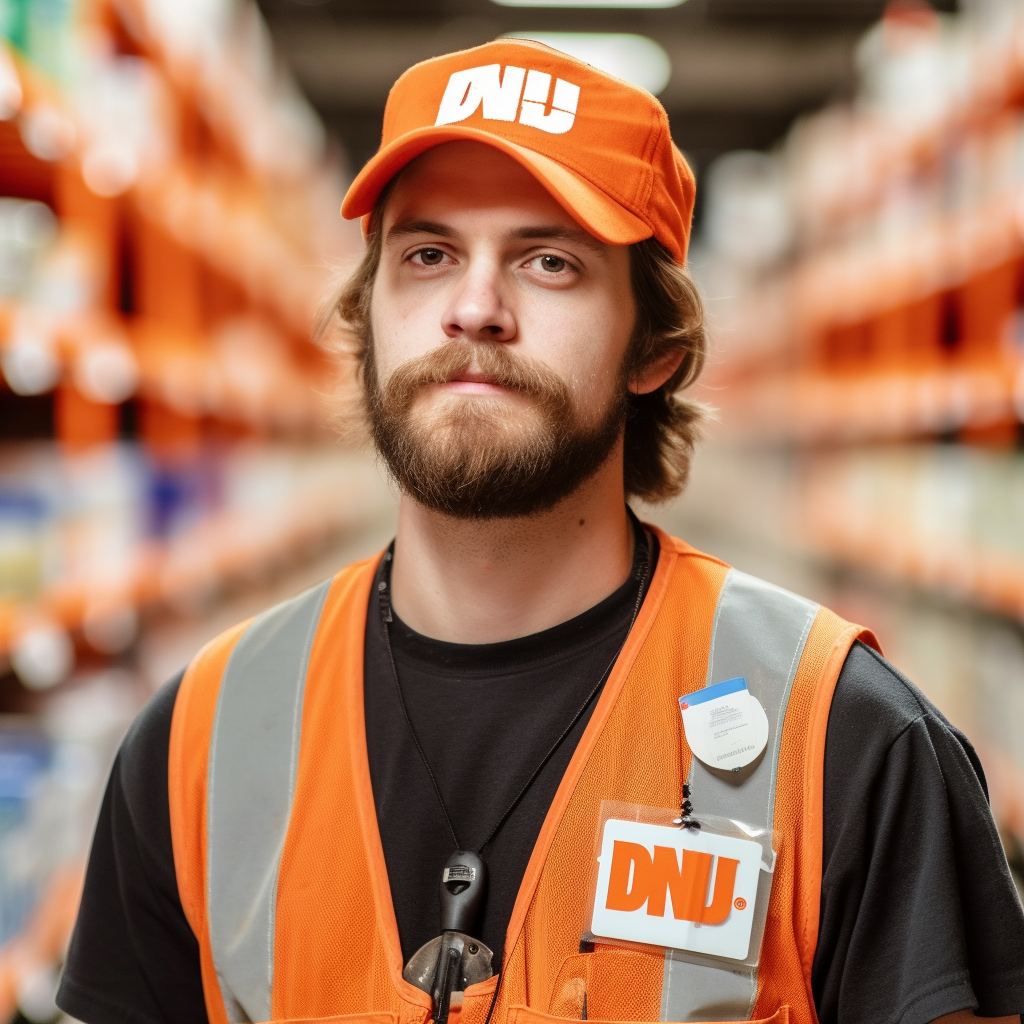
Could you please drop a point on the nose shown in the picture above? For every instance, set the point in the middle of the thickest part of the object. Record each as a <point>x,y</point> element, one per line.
<point>477,311</point>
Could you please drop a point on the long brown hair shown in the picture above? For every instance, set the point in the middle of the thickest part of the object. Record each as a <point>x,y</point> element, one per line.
<point>662,427</point>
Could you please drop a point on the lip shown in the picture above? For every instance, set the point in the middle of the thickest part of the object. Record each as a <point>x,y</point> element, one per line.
<point>473,382</point>
<point>473,387</point>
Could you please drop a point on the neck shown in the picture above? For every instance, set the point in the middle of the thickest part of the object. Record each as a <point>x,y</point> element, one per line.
<point>482,581</point>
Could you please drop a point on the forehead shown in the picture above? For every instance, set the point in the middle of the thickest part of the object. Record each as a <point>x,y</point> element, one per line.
<point>459,181</point>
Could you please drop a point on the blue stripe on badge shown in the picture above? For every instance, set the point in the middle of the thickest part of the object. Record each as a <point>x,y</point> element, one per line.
<point>711,692</point>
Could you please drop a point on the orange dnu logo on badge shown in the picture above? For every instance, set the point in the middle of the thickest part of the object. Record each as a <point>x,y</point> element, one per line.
<point>637,878</point>
<point>665,886</point>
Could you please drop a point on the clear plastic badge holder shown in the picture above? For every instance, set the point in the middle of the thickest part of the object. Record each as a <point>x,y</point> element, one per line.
<point>702,893</point>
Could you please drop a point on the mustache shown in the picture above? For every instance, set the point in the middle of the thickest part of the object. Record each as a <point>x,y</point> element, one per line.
<point>493,359</point>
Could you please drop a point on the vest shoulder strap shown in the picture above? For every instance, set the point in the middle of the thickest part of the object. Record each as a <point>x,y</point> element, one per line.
<point>254,750</point>
<point>759,632</point>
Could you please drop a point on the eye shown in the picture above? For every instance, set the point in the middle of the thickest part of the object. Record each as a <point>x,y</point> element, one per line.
<point>553,264</point>
<point>429,257</point>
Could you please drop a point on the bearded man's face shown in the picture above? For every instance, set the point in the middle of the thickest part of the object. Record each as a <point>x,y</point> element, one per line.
<point>485,457</point>
<point>499,332</point>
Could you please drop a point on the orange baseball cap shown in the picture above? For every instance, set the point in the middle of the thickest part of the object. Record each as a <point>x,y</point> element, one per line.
<point>599,145</point>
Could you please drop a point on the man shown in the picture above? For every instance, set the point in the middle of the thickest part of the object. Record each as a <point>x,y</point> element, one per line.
<point>300,828</point>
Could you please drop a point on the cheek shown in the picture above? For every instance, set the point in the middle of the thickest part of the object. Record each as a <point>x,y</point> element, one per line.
<point>403,328</point>
<point>585,342</point>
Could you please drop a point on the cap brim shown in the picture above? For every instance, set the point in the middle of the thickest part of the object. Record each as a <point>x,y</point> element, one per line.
<point>601,215</point>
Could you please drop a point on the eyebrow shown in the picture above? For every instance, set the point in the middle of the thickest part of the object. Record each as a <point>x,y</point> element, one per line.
<point>419,227</point>
<point>555,232</point>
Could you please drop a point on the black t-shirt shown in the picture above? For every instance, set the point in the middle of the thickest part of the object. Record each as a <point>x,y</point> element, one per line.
<point>463,700</point>
<point>919,916</point>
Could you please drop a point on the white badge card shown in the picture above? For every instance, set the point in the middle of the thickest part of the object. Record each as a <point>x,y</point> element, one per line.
<point>696,890</point>
<point>725,725</point>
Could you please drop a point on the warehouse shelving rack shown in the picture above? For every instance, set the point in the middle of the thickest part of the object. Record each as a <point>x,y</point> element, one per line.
<point>196,231</point>
<point>870,380</point>
<point>199,225</point>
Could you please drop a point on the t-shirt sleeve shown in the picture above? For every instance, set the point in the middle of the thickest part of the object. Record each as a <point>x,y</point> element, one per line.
<point>919,913</point>
<point>133,956</point>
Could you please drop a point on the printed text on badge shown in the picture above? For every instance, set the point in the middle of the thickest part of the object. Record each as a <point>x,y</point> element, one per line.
<point>725,725</point>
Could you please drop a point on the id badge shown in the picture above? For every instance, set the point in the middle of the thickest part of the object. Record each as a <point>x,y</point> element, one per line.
<point>703,892</point>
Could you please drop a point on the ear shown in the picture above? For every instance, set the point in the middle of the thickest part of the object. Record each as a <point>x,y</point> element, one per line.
<point>653,376</point>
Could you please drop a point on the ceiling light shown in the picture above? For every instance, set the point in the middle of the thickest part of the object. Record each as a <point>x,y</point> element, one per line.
<point>632,58</point>
<point>589,3</point>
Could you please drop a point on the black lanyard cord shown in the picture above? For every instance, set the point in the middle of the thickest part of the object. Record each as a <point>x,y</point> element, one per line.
<point>388,618</point>
<point>383,590</point>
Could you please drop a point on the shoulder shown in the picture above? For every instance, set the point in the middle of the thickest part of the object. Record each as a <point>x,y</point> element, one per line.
<point>146,742</point>
<point>268,649</point>
<point>876,708</point>
<point>206,669</point>
<point>915,890</point>
<point>870,685</point>
<point>891,754</point>
<point>139,777</point>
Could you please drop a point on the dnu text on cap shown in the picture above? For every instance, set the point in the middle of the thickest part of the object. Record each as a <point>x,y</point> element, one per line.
<point>599,145</point>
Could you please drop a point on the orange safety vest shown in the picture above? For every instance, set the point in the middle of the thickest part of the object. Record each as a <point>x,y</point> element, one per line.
<point>279,860</point>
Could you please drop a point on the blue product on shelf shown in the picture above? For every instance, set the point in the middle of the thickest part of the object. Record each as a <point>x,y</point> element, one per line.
<point>25,756</point>
<point>179,494</point>
<point>22,556</point>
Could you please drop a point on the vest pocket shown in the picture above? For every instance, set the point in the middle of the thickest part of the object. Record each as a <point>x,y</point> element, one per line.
<point>524,1015</point>
<point>615,985</point>
<point>345,1018</point>
<point>618,985</point>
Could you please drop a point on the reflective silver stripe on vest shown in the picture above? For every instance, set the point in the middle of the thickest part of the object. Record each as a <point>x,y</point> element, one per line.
<point>759,633</point>
<point>254,751</point>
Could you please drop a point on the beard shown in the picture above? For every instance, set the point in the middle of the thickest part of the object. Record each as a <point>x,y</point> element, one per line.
<point>478,457</point>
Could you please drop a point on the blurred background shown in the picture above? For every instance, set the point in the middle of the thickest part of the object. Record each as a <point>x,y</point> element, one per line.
<point>170,176</point>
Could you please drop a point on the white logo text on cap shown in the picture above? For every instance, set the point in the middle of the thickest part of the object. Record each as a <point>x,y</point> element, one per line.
<point>500,95</point>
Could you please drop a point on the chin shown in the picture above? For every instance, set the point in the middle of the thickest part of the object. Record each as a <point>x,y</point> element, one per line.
<point>481,419</point>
